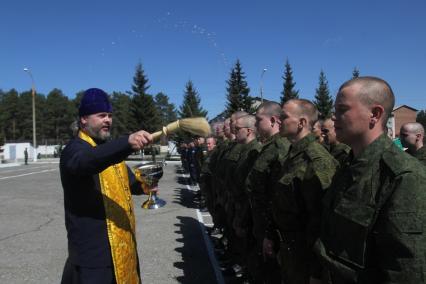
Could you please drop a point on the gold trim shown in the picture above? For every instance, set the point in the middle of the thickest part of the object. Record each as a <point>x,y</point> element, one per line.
<point>120,219</point>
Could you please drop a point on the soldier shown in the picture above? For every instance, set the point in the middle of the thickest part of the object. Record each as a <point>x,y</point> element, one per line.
<point>412,135</point>
<point>224,169</point>
<point>225,138</point>
<point>26,156</point>
<point>206,176</point>
<point>374,213</point>
<point>245,134</point>
<point>304,175</point>
<point>258,184</point>
<point>316,130</point>
<point>338,150</point>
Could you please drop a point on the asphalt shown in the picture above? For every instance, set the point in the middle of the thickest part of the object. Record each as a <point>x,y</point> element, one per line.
<point>172,244</point>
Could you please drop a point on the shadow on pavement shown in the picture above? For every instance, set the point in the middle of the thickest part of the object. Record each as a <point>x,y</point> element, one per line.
<point>186,198</point>
<point>195,262</point>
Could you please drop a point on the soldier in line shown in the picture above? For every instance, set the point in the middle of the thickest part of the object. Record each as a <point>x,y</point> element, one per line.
<point>373,217</point>
<point>259,186</point>
<point>225,170</point>
<point>297,191</point>
<point>206,176</point>
<point>317,130</point>
<point>219,215</point>
<point>192,163</point>
<point>338,150</point>
<point>412,135</point>
<point>245,135</point>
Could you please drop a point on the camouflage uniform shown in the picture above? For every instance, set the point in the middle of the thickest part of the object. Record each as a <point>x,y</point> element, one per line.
<point>339,151</point>
<point>215,162</point>
<point>374,217</point>
<point>241,221</point>
<point>296,206</point>
<point>420,155</point>
<point>206,186</point>
<point>259,185</point>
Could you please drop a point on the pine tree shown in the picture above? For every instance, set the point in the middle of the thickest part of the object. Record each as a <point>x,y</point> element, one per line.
<point>191,103</point>
<point>10,117</point>
<point>421,118</point>
<point>25,122</point>
<point>355,73</point>
<point>59,115</point>
<point>237,91</point>
<point>144,113</point>
<point>166,109</point>
<point>323,100</point>
<point>288,92</point>
<point>121,116</point>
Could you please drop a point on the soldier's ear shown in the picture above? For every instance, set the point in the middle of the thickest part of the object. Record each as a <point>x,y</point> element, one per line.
<point>302,122</point>
<point>377,114</point>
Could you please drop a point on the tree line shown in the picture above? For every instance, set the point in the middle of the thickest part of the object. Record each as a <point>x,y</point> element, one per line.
<point>138,109</point>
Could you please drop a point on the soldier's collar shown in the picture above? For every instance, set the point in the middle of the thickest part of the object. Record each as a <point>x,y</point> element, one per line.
<point>302,144</point>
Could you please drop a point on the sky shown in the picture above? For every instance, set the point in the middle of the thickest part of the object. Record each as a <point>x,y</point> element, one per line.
<point>75,45</point>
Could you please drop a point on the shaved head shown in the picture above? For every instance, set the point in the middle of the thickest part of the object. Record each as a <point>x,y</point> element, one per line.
<point>248,121</point>
<point>414,127</point>
<point>307,109</point>
<point>270,109</point>
<point>374,91</point>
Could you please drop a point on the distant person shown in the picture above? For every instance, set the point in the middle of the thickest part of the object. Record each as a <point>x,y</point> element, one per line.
<point>338,150</point>
<point>412,135</point>
<point>373,214</point>
<point>26,156</point>
<point>316,130</point>
<point>99,214</point>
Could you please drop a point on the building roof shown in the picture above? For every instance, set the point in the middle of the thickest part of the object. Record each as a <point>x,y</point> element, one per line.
<point>398,107</point>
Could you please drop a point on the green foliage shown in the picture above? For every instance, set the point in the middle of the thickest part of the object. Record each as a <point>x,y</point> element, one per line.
<point>10,115</point>
<point>421,118</point>
<point>166,109</point>
<point>191,103</point>
<point>323,100</point>
<point>60,115</point>
<point>355,73</point>
<point>237,91</point>
<point>288,92</point>
<point>122,118</point>
<point>144,113</point>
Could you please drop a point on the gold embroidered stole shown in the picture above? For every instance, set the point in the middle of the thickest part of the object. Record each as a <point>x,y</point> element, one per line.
<point>120,219</point>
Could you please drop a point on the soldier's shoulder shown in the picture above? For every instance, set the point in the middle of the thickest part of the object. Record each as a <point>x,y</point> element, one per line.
<point>323,163</point>
<point>399,162</point>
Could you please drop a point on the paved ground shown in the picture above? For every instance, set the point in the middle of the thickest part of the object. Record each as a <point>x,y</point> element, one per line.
<point>171,241</point>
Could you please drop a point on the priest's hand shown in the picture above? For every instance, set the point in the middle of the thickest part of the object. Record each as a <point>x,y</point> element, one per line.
<point>139,140</point>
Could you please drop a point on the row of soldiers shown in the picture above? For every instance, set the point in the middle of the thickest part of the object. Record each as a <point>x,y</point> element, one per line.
<point>294,210</point>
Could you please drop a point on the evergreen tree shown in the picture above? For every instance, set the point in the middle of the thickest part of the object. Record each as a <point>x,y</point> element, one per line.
<point>25,114</point>
<point>288,92</point>
<point>59,116</point>
<point>2,118</point>
<point>166,109</point>
<point>144,113</point>
<point>421,118</point>
<point>10,115</point>
<point>238,91</point>
<point>355,73</point>
<point>323,100</point>
<point>191,103</point>
<point>121,116</point>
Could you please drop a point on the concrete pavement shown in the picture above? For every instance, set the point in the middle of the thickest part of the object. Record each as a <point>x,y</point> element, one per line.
<point>171,244</point>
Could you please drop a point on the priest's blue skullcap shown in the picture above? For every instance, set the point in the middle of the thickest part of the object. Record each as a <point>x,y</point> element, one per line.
<point>94,100</point>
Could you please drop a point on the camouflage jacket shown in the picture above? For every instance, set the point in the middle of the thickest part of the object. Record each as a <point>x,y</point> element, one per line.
<point>258,182</point>
<point>340,152</point>
<point>374,217</point>
<point>420,155</point>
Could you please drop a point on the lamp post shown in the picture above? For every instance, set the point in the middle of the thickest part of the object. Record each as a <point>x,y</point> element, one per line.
<point>33,92</point>
<point>261,84</point>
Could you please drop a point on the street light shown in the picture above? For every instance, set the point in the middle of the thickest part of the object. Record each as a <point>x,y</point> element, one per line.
<point>33,92</point>
<point>261,83</point>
